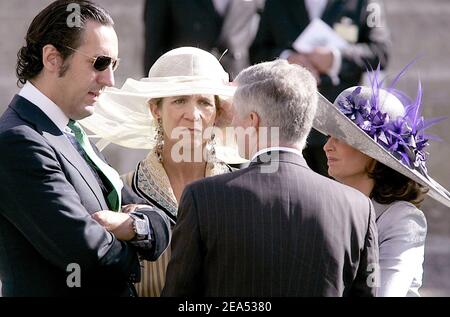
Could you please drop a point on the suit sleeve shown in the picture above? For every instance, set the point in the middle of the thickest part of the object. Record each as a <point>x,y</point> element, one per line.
<point>157,31</point>
<point>367,279</point>
<point>402,242</point>
<point>158,222</point>
<point>264,47</point>
<point>44,206</point>
<point>160,231</point>
<point>184,272</point>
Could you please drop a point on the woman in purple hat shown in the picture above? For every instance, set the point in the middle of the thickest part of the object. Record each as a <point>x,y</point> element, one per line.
<point>377,145</point>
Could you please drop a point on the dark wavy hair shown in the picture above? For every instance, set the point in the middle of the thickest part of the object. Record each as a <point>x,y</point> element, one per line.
<point>392,186</point>
<point>51,26</point>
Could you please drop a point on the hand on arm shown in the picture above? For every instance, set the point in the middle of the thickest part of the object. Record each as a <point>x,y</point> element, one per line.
<point>132,207</point>
<point>118,223</point>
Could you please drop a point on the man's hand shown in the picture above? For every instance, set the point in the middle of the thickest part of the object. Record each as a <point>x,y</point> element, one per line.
<point>303,60</point>
<point>321,59</point>
<point>118,223</point>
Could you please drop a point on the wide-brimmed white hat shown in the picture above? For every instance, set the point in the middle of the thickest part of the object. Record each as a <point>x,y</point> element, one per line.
<point>122,116</point>
<point>385,125</point>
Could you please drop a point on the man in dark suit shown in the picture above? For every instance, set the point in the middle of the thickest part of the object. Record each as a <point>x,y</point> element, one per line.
<point>56,192</point>
<point>275,228</point>
<point>212,25</point>
<point>360,22</point>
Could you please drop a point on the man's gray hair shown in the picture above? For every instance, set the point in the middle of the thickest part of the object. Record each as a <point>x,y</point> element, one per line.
<point>283,95</point>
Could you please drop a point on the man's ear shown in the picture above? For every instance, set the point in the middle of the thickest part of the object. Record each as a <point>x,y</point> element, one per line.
<point>254,120</point>
<point>51,58</point>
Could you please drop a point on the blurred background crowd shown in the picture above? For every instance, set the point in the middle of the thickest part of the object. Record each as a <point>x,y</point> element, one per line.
<point>416,28</point>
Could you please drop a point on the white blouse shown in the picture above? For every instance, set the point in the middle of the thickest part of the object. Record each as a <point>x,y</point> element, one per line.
<point>402,229</point>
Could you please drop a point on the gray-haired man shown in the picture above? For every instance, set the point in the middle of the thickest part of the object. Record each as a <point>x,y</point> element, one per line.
<point>275,228</point>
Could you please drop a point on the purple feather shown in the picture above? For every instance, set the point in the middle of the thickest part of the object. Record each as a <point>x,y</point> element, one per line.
<point>402,72</point>
<point>403,136</point>
<point>416,107</point>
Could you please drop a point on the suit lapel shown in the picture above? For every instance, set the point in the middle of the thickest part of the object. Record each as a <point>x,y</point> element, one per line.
<point>29,112</point>
<point>67,150</point>
<point>210,6</point>
<point>237,16</point>
<point>332,11</point>
<point>298,10</point>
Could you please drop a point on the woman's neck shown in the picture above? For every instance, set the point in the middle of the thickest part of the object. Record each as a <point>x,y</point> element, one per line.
<point>182,172</point>
<point>363,183</point>
<point>189,171</point>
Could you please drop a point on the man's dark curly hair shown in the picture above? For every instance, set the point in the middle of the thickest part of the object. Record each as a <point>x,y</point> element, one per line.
<point>53,26</point>
<point>392,186</point>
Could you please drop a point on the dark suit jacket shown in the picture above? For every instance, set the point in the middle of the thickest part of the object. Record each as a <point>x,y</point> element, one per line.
<point>284,20</point>
<point>174,23</point>
<point>287,233</point>
<point>47,196</point>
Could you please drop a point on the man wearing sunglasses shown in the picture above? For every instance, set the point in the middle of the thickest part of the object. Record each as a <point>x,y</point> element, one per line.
<point>56,190</point>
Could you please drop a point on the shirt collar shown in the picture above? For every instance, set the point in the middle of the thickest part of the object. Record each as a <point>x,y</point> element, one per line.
<point>315,8</point>
<point>279,149</point>
<point>35,96</point>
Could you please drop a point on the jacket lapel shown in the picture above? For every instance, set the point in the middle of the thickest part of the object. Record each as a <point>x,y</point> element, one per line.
<point>333,11</point>
<point>210,6</point>
<point>74,158</point>
<point>32,114</point>
<point>298,10</point>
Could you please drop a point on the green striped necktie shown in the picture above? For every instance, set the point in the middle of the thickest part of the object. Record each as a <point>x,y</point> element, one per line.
<point>114,197</point>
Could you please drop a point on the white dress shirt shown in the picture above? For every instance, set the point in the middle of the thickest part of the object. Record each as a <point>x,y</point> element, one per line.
<point>35,96</point>
<point>221,6</point>
<point>315,8</point>
<point>277,149</point>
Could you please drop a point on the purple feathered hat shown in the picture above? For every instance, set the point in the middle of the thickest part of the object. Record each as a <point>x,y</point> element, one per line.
<point>384,124</point>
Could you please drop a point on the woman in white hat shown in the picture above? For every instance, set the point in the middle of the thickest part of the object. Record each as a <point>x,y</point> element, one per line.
<point>173,113</point>
<point>376,145</point>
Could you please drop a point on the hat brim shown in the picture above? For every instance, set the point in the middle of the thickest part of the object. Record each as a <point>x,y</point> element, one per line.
<point>138,92</point>
<point>329,120</point>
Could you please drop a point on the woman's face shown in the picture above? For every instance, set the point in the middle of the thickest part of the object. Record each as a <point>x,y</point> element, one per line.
<point>346,164</point>
<point>185,119</point>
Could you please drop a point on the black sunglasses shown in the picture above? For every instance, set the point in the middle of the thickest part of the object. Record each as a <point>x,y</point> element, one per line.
<point>101,62</point>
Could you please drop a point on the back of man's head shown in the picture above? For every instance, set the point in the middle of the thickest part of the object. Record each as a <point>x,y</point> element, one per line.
<point>60,24</point>
<point>283,96</point>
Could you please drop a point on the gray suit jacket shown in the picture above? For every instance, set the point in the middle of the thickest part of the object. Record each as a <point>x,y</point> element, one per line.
<point>287,233</point>
<point>47,196</point>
